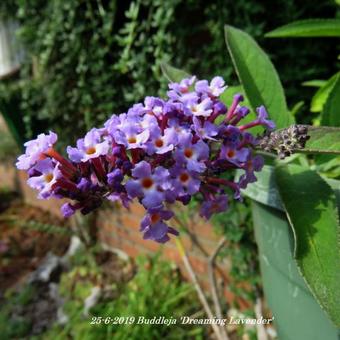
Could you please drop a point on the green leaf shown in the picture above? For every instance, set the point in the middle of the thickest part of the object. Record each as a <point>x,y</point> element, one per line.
<point>308,28</point>
<point>264,190</point>
<point>297,107</point>
<point>173,74</point>
<point>228,95</point>
<point>330,168</point>
<point>314,83</point>
<point>258,76</point>
<point>321,95</point>
<point>331,110</point>
<point>323,139</point>
<point>311,209</point>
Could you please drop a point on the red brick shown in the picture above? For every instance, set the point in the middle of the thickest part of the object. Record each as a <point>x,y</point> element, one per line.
<point>130,221</point>
<point>205,230</point>
<point>172,254</point>
<point>137,210</point>
<point>200,266</point>
<point>130,250</point>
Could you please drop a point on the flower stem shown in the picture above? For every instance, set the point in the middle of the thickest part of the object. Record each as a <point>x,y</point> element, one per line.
<point>198,288</point>
<point>249,125</point>
<point>58,157</point>
<point>99,168</point>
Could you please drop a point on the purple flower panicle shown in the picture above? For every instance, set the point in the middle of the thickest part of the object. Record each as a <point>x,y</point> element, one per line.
<point>160,152</point>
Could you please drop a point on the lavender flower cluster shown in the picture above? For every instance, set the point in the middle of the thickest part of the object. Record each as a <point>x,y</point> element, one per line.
<point>159,152</point>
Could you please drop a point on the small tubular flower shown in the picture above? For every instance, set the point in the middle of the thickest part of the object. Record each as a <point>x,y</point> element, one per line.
<point>161,151</point>
<point>35,150</point>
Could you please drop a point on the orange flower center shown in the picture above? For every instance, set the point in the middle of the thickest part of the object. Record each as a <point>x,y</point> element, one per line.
<point>231,153</point>
<point>91,150</point>
<point>184,177</point>
<point>155,218</point>
<point>159,143</point>
<point>48,177</point>
<point>188,153</point>
<point>132,140</point>
<point>147,183</point>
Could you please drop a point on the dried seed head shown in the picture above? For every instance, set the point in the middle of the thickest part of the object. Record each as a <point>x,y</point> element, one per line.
<point>285,142</point>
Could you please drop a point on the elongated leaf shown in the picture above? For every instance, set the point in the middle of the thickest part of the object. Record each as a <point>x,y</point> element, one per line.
<point>265,190</point>
<point>297,108</point>
<point>228,94</point>
<point>258,76</point>
<point>10,110</point>
<point>312,212</point>
<point>308,28</point>
<point>323,139</point>
<point>173,74</point>
<point>314,83</point>
<point>331,110</point>
<point>321,95</point>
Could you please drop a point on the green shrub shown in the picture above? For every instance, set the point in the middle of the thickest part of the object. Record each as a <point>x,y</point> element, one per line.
<point>14,326</point>
<point>8,147</point>
<point>92,58</point>
<point>156,290</point>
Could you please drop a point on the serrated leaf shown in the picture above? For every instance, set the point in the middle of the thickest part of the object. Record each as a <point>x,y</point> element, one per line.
<point>258,76</point>
<point>321,95</point>
<point>307,28</point>
<point>173,74</point>
<point>331,110</point>
<point>312,212</point>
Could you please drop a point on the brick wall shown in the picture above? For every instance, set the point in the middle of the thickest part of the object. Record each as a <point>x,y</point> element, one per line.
<point>119,231</point>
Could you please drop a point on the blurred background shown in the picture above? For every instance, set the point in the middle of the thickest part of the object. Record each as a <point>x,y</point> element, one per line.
<point>67,66</point>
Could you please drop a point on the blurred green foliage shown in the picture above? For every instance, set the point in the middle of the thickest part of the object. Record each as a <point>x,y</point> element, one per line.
<point>204,50</point>
<point>8,147</point>
<point>90,58</point>
<point>156,290</point>
<point>14,326</point>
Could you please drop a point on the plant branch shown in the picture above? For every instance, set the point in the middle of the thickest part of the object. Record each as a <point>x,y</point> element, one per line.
<point>212,278</point>
<point>213,285</point>
<point>198,288</point>
<point>195,241</point>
